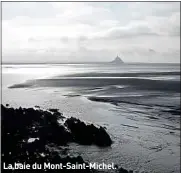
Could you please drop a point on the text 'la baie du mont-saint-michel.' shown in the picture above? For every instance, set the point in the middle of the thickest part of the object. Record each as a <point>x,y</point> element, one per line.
<point>68,165</point>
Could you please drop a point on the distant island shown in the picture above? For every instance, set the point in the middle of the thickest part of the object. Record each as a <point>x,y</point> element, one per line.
<point>117,60</point>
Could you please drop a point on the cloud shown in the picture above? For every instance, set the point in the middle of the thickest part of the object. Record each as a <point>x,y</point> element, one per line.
<point>134,29</point>
<point>63,30</point>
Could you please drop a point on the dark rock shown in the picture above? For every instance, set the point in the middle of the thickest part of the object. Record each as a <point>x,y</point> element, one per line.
<point>116,166</point>
<point>58,115</point>
<point>87,134</point>
<point>122,170</point>
<point>53,110</point>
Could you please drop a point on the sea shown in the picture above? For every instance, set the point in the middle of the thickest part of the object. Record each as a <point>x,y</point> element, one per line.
<point>138,104</point>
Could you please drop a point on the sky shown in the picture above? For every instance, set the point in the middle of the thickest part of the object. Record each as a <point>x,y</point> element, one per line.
<point>90,31</point>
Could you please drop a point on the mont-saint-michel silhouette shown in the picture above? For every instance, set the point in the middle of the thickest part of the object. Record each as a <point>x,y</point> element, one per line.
<point>117,60</point>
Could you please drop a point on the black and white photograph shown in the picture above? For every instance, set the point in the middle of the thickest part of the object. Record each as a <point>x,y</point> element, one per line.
<point>90,87</point>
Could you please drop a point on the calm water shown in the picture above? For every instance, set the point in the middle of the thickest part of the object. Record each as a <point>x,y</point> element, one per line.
<point>137,103</point>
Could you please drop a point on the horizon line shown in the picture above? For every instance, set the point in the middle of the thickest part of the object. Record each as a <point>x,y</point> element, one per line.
<point>87,62</point>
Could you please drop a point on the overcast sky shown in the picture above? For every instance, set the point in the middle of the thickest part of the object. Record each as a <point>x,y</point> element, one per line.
<point>96,31</point>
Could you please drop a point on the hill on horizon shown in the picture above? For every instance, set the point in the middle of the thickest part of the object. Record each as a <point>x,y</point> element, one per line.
<point>117,60</point>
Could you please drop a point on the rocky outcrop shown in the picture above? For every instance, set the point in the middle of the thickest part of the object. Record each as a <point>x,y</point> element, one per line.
<point>26,135</point>
<point>87,134</point>
<point>30,135</point>
<point>43,125</point>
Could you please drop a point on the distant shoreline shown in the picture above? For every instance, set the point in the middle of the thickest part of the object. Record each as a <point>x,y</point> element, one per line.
<point>58,63</point>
